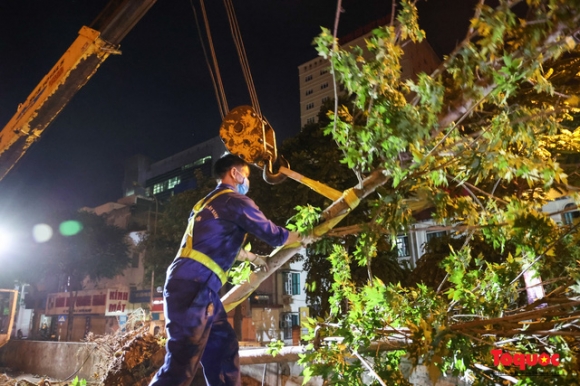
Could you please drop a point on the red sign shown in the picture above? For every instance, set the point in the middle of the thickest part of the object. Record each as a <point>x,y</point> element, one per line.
<point>157,305</point>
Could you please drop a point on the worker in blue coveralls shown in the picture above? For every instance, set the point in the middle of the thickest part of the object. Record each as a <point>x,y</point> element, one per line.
<point>196,322</point>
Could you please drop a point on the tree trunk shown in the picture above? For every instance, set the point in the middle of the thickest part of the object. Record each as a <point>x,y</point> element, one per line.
<point>332,216</point>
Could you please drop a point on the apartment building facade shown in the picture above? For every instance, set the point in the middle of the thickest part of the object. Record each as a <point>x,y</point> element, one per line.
<point>315,79</point>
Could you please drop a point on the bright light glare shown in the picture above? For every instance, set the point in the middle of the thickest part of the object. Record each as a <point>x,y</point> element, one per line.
<point>5,240</point>
<point>70,228</point>
<point>42,233</point>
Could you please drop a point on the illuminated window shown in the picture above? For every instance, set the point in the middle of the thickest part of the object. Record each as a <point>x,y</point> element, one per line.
<point>403,246</point>
<point>173,181</point>
<point>158,188</point>
<point>202,161</point>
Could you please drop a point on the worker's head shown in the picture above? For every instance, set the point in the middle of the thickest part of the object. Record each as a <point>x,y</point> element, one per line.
<point>234,171</point>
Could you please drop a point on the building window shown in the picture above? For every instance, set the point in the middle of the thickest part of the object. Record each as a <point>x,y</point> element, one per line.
<point>403,246</point>
<point>310,120</point>
<point>135,260</point>
<point>202,161</point>
<point>308,78</point>
<point>291,283</point>
<point>310,106</point>
<point>432,235</point>
<point>308,92</point>
<point>158,188</point>
<point>287,321</point>
<point>173,181</point>
<point>570,218</point>
<point>324,85</point>
<point>325,99</point>
<point>260,299</point>
<point>322,72</point>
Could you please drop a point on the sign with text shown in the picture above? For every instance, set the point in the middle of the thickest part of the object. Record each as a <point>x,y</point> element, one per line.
<point>87,302</point>
<point>117,301</point>
<point>107,302</point>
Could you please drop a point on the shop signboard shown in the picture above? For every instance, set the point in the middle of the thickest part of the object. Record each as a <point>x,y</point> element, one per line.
<point>87,302</point>
<point>117,300</point>
<point>157,305</point>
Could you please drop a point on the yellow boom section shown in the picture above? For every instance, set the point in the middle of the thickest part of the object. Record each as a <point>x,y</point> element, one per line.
<point>8,300</point>
<point>67,76</point>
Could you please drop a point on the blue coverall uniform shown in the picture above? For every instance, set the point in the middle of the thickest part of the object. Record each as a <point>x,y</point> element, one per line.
<point>196,322</point>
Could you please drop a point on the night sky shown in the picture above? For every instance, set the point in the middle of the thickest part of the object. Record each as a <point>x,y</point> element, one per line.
<point>157,98</point>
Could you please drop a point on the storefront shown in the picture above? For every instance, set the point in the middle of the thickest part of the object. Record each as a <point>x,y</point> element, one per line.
<point>94,311</point>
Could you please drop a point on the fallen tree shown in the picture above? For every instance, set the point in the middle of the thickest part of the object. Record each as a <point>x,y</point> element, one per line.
<point>485,141</point>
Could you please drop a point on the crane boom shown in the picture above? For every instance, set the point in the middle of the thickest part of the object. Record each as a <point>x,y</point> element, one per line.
<point>67,76</point>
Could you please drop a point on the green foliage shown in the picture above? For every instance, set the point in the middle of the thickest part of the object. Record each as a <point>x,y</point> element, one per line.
<point>240,273</point>
<point>78,382</point>
<point>274,347</point>
<point>478,147</point>
<point>305,220</point>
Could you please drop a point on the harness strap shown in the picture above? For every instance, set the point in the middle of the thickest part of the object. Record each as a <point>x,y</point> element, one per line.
<point>188,252</point>
<point>208,262</point>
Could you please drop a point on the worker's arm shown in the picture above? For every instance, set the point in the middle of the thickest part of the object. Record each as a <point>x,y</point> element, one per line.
<point>294,237</point>
<point>258,260</point>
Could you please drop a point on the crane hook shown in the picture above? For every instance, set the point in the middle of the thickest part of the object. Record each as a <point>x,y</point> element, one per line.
<point>268,172</point>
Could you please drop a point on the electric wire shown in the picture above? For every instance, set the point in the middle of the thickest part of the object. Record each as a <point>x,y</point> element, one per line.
<point>239,43</point>
<point>221,99</point>
<point>214,58</point>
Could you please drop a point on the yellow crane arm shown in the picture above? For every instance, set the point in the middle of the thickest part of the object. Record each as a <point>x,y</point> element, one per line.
<point>50,96</point>
<point>69,74</point>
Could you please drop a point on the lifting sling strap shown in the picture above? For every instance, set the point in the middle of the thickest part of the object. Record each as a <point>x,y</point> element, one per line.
<point>187,250</point>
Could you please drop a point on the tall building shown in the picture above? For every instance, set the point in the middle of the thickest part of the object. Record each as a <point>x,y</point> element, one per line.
<point>316,86</point>
<point>173,174</point>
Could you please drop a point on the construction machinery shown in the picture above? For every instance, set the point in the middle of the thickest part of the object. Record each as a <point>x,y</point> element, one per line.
<point>93,45</point>
<point>8,300</point>
<point>244,131</point>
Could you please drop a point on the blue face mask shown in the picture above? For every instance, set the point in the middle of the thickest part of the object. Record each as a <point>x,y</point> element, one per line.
<point>244,187</point>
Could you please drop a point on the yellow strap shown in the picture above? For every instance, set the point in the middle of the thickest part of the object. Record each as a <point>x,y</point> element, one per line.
<point>208,263</point>
<point>188,252</point>
<point>204,201</point>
